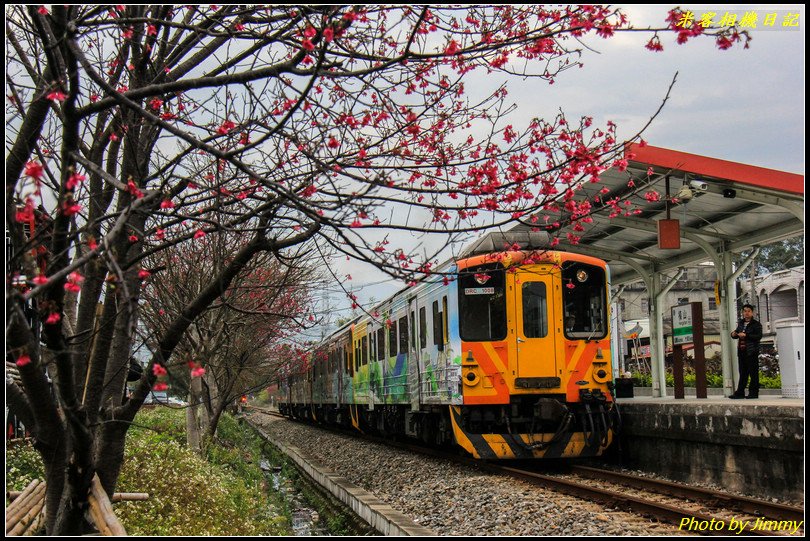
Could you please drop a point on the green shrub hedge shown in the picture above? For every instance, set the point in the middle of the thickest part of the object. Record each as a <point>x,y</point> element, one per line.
<point>189,495</point>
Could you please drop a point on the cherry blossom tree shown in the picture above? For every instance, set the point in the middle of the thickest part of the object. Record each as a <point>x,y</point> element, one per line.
<point>235,346</point>
<point>134,129</point>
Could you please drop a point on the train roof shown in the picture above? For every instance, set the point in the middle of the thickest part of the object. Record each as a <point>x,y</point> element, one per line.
<point>497,242</point>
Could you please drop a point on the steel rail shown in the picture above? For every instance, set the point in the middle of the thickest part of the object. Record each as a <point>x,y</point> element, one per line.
<point>665,512</point>
<point>743,504</point>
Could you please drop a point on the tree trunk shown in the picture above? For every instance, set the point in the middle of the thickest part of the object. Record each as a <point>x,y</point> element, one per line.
<point>193,425</point>
<point>108,456</point>
<point>211,430</point>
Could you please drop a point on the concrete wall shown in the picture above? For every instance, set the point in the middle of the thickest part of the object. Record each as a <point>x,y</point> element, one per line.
<point>757,450</point>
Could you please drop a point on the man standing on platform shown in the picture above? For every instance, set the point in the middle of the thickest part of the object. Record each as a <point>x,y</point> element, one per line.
<point>748,333</point>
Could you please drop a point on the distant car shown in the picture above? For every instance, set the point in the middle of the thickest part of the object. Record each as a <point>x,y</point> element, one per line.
<point>174,401</point>
<point>156,397</point>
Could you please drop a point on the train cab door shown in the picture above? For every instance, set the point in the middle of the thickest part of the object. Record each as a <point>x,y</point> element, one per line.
<point>534,331</point>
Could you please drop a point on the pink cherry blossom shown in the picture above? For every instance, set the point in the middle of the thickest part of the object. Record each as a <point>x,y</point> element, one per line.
<point>74,180</point>
<point>34,170</point>
<point>23,360</point>
<point>225,127</point>
<point>57,95</point>
<point>74,281</point>
<point>159,370</point>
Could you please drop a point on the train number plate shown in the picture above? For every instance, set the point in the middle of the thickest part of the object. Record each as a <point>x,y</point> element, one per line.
<point>479,290</point>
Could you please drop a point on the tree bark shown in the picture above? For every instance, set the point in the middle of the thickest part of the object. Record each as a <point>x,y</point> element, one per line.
<point>193,411</point>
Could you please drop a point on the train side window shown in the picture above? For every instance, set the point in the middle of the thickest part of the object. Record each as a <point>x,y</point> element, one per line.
<point>535,311</point>
<point>438,339</point>
<point>413,330</point>
<point>445,329</point>
<point>372,343</point>
<point>380,344</point>
<point>392,339</point>
<point>364,350</point>
<point>403,334</point>
<point>422,328</point>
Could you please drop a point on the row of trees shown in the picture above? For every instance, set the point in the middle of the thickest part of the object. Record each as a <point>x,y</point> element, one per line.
<point>238,343</point>
<point>141,137</point>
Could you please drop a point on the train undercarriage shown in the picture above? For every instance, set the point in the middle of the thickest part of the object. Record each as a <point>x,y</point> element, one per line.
<point>529,427</point>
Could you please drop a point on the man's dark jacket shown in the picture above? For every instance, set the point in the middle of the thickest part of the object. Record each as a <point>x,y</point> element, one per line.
<point>753,334</point>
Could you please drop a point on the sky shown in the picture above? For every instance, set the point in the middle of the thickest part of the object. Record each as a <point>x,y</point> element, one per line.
<point>744,105</point>
<point>739,105</point>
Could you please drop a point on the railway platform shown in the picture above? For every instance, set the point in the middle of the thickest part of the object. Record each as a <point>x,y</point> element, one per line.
<point>755,447</point>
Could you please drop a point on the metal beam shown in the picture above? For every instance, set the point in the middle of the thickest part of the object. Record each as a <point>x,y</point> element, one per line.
<point>657,343</point>
<point>761,197</point>
<point>769,235</point>
<point>650,226</point>
<point>606,253</point>
<point>764,236</point>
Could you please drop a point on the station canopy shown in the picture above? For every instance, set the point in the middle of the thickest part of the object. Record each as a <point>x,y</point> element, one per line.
<point>721,206</point>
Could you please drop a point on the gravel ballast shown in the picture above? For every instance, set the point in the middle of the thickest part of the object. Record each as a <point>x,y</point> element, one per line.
<point>453,499</point>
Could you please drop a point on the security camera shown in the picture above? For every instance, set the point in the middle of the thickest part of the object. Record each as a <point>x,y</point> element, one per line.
<point>699,185</point>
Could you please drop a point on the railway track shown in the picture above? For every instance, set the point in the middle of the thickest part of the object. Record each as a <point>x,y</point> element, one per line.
<point>693,509</point>
<point>714,498</point>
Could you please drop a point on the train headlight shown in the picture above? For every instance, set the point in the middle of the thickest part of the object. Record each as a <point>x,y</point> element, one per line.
<point>601,375</point>
<point>582,276</point>
<point>471,378</point>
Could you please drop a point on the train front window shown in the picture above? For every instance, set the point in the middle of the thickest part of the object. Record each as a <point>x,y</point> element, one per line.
<point>535,319</point>
<point>482,303</point>
<point>585,301</point>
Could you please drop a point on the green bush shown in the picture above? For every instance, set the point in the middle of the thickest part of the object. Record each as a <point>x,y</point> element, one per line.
<point>237,449</point>
<point>23,465</point>
<point>713,380</point>
<point>188,494</point>
<point>160,424</point>
<point>262,398</point>
<point>770,382</point>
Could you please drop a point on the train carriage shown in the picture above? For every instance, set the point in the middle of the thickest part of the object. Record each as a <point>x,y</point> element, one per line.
<point>510,359</point>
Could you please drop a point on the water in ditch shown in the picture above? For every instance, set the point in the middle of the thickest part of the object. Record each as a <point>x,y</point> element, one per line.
<point>305,520</point>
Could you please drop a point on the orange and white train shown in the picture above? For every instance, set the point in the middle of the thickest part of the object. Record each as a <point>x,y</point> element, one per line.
<point>510,359</point>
